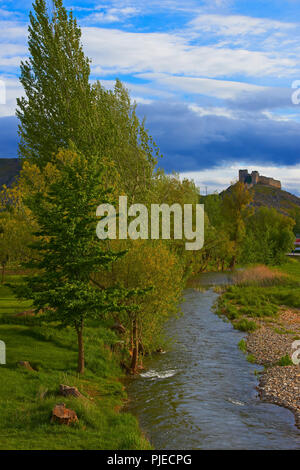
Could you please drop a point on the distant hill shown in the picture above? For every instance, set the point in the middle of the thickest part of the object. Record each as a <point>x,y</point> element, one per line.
<point>283,201</point>
<point>9,169</point>
<point>268,196</point>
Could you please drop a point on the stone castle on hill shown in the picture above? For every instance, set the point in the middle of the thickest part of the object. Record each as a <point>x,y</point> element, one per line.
<point>256,178</point>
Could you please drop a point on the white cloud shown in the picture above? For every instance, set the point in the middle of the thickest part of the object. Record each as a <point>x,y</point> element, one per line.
<point>117,51</point>
<point>13,31</point>
<point>237,25</point>
<point>110,15</point>
<point>172,63</point>
<point>212,111</point>
<point>224,89</point>
<point>13,90</point>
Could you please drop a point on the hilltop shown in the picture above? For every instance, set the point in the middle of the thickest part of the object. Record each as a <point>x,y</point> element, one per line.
<point>269,196</point>
<point>279,199</point>
<point>267,192</point>
<point>9,169</point>
<point>272,197</point>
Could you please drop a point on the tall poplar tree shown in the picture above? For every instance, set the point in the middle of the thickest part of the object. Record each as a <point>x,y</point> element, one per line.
<point>56,108</point>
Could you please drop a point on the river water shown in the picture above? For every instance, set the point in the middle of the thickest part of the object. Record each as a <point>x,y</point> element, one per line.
<point>201,393</point>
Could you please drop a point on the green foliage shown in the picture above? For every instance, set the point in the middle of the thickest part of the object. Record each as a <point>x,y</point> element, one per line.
<point>147,264</point>
<point>15,228</point>
<point>296,216</point>
<point>67,249</point>
<point>236,211</point>
<point>262,232</point>
<point>243,345</point>
<point>285,361</point>
<point>213,209</point>
<point>269,236</point>
<point>130,154</point>
<point>27,398</point>
<point>258,299</point>
<point>251,358</point>
<point>245,325</point>
<point>55,78</point>
<point>61,106</point>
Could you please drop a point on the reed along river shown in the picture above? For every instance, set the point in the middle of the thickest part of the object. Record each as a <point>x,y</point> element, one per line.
<point>201,393</point>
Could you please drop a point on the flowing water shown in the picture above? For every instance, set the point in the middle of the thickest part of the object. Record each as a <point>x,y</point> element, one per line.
<point>201,393</point>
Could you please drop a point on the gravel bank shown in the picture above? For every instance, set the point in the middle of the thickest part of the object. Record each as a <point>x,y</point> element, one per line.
<point>281,386</point>
<point>272,341</point>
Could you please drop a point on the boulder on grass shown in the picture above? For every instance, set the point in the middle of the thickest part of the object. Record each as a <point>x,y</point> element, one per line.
<point>67,391</point>
<point>62,415</point>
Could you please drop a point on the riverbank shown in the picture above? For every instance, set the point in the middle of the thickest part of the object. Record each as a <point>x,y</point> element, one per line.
<point>267,308</point>
<point>27,397</point>
<point>271,347</point>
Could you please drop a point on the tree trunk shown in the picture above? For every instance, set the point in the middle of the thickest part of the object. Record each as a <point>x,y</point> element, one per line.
<point>131,339</point>
<point>232,264</point>
<point>3,272</point>
<point>135,354</point>
<point>80,368</point>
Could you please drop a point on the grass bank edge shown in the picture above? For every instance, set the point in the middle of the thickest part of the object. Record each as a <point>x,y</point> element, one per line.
<point>260,297</point>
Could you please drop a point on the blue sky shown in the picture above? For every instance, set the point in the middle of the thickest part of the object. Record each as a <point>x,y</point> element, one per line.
<point>213,78</point>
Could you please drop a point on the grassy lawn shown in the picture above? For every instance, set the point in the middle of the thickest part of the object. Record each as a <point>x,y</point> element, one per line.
<point>261,298</point>
<point>27,398</point>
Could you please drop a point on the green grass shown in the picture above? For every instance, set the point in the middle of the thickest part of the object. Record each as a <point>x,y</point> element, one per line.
<point>251,359</point>
<point>262,301</point>
<point>245,325</point>
<point>292,267</point>
<point>285,361</point>
<point>27,398</point>
<point>243,345</point>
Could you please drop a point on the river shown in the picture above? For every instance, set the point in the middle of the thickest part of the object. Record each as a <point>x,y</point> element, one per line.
<point>201,393</point>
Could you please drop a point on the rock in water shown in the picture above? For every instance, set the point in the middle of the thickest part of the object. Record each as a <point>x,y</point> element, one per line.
<point>62,415</point>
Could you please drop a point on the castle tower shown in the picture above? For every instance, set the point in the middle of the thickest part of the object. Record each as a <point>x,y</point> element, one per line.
<point>243,175</point>
<point>255,177</point>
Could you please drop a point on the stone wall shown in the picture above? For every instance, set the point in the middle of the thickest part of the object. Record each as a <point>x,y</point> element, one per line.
<point>256,178</point>
<point>269,182</point>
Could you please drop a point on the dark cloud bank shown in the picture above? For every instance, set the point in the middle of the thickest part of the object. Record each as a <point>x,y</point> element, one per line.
<point>190,142</point>
<point>8,137</point>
